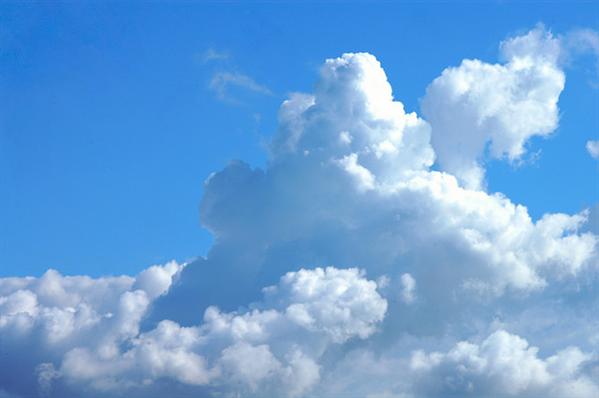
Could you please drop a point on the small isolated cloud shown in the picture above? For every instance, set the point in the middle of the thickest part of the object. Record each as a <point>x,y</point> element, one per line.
<point>227,85</point>
<point>478,105</point>
<point>223,82</point>
<point>212,55</point>
<point>593,148</point>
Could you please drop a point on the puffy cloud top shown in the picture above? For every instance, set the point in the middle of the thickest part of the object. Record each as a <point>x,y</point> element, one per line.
<point>353,120</point>
<point>501,106</point>
<point>273,347</point>
<point>338,302</point>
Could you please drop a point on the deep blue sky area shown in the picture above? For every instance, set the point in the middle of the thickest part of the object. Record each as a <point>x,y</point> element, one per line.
<point>108,124</point>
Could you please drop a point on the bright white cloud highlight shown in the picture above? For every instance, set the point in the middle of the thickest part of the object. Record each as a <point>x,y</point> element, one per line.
<point>479,107</point>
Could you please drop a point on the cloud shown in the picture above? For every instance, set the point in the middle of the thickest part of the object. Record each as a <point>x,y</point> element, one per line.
<point>274,346</point>
<point>222,83</point>
<point>212,55</point>
<point>408,288</point>
<point>286,303</point>
<point>349,183</point>
<point>502,365</point>
<point>479,107</point>
<point>47,317</point>
<point>593,149</point>
<point>331,195</point>
<point>227,85</point>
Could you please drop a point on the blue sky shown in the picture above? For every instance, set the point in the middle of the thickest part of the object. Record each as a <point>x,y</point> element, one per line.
<point>108,124</point>
<point>362,199</point>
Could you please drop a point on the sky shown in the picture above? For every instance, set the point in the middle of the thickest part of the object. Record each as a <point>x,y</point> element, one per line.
<point>109,125</point>
<point>320,199</point>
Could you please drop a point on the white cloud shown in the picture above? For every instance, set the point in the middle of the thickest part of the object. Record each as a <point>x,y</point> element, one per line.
<point>593,149</point>
<point>349,183</point>
<point>327,199</point>
<point>156,280</point>
<point>363,177</point>
<point>274,346</point>
<point>503,365</point>
<point>48,316</point>
<point>384,207</point>
<point>328,300</point>
<point>222,82</point>
<point>499,106</point>
<point>246,351</point>
<point>353,120</point>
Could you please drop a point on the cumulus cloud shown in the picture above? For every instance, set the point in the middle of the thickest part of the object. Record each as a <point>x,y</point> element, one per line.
<point>272,347</point>
<point>479,107</point>
<point>47,317</point>
<point>349,183</point>
<point>503,365</point>
<point>280,306</point>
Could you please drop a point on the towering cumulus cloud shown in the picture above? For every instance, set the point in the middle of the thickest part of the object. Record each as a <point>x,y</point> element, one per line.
<point>350,266</point>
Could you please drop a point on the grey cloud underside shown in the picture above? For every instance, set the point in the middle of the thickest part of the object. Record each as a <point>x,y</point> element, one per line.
<point>434,287</point>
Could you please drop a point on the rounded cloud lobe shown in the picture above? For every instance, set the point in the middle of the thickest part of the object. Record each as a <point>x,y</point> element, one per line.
<point>500,106</point>
<point>425,274</point>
